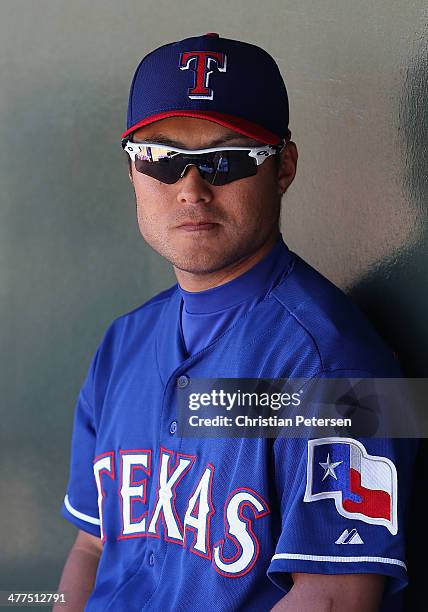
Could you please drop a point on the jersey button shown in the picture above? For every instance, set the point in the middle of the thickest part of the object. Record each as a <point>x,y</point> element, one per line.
<point>173,427</point>
<point>182,381</point>
<point>151,559</point>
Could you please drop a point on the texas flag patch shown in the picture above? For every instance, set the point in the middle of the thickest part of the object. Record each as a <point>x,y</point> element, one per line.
<point>363,486</point>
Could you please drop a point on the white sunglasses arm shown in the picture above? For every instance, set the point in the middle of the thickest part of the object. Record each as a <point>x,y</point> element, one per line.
<point>260,154</point>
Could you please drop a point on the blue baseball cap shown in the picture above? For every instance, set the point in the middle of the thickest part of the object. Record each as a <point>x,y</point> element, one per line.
<point>233,83</point>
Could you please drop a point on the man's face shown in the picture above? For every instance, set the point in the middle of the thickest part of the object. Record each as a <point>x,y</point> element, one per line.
<point>198,227</point>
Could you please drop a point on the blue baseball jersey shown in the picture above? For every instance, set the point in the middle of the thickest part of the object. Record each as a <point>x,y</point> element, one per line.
<point>221,523</point>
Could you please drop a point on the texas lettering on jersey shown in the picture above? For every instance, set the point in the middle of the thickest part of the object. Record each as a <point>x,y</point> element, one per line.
<point>191,530</point>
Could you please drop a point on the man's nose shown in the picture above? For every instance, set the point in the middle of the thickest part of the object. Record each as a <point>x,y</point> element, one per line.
<point>193,188</point>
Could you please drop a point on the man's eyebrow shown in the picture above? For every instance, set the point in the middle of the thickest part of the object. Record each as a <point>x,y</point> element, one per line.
<point>178,144</point>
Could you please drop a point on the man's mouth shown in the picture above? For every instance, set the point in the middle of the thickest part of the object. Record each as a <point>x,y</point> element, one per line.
<point>197,226</point>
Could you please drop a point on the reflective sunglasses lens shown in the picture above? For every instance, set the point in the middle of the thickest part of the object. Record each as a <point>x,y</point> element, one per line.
<point>231,166</point>
<point>165,170</point>
<point>217,168</point>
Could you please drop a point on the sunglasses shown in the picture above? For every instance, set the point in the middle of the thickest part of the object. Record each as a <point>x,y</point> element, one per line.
<point>217,166</point>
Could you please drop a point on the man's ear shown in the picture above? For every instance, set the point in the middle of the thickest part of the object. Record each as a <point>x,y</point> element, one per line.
<point>130,174</point>
<point>287,166</point>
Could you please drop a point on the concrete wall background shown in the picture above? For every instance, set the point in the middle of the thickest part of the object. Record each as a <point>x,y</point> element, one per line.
<point>71,258</point>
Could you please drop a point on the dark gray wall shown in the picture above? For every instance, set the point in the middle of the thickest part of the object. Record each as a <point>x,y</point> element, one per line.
<point>71,258</point>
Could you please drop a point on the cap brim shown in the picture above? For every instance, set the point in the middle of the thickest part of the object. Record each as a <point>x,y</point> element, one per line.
<point>247,128</point>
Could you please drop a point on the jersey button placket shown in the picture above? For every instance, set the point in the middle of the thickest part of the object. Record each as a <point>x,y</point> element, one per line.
<point>182,382</point>
<point>170,427</point>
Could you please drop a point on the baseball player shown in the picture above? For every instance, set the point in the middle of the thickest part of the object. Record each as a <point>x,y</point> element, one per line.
<point>168,522</point>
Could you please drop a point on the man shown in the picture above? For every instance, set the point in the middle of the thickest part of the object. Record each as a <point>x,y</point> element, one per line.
<point>168,522</point>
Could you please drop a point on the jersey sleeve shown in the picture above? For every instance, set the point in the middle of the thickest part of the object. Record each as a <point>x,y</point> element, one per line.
<point>80,505</point>
<point>342,506</point>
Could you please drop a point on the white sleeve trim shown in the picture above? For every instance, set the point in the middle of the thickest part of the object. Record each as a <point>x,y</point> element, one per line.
<point>80,515</point>
<point>339,559</point>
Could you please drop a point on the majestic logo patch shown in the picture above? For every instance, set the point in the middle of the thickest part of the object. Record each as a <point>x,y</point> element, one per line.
<point>349,537</point>
<point>363,486</point>
<point>202,63</point>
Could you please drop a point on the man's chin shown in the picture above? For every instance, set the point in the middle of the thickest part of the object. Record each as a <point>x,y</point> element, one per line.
<point>199,268</point>
<point>199,256</point>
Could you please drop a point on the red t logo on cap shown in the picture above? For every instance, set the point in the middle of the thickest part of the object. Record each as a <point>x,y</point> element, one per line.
<point>202,62</point>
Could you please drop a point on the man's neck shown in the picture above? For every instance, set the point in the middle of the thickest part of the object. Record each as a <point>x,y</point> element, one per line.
<point>200,282</point>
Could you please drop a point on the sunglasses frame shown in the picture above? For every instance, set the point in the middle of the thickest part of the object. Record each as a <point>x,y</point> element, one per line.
<point>260,154</point>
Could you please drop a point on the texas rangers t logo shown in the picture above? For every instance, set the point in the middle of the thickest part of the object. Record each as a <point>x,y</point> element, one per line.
<point>363,486</point>
<point>202,63</point>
